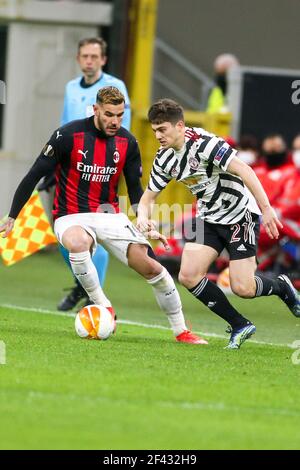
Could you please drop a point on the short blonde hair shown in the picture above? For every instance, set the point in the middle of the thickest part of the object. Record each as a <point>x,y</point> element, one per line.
<point>110,95</point>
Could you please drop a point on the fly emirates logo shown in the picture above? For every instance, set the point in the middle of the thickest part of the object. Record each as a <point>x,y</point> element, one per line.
<point>100,174</point>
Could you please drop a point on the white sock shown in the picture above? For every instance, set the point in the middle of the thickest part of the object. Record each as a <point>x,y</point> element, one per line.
<point>168,299</point>
<point>85,272</point>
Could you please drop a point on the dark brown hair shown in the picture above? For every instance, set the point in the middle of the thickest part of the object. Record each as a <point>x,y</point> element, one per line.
<point>165,110</point>
<point>99,41</point>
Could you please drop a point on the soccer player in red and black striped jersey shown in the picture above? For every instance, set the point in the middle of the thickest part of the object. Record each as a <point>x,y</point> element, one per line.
<point>88,157</point>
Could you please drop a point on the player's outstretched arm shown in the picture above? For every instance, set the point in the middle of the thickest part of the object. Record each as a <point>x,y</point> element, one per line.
<point>145,208</point>
<point>269,217</point>
<point>7,226</point>
<point>42,167</point>
<point>144,222</point>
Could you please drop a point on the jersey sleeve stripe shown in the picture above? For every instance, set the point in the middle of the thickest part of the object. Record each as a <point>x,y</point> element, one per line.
<point>159,175</point>
<point>215,150</point>
<point>163,158</point>
<point>154,186</point>
<point>228,177</point>
<point>203,145</point>
<point>154,183</point>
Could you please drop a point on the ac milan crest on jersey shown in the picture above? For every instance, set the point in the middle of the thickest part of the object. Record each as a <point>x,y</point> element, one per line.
<point>116,156</point>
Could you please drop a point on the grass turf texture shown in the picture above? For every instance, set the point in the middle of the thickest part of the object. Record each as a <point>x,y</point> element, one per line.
<point>139,389</point>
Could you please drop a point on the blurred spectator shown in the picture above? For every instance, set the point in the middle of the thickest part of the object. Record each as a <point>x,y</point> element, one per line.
<point>274,150</point>
<point>276,167</point>
<point>217,98</point>
<point>275,173</point>
<point>288,205</point>
<point>296,151</point>
<point>249,149</point>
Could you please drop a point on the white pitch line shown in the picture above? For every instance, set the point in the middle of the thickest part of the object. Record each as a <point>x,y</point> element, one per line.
<point>129,322</point>
<point>232,409</point>
<point>210,406</point>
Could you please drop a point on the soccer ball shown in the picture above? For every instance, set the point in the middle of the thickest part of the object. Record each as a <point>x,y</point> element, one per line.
<point>223,281</point>
<point>94,322</point>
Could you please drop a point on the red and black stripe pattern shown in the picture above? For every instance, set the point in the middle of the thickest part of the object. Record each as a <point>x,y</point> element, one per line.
<point>89,168</point>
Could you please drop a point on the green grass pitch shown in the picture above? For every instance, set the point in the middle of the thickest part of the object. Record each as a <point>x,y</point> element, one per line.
<point>140,389</point>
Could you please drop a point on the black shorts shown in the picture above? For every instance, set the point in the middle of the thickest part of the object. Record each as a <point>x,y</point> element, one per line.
<point>239,239</point>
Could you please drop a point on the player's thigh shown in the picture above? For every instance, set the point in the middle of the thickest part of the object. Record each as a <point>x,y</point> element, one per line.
<point>196,260</point>
<point>116,233</point>
<point>74,233</point>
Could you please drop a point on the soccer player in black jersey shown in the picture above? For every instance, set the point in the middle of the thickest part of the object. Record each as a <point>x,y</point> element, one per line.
<point>228,215</point>
<point>88,157</point>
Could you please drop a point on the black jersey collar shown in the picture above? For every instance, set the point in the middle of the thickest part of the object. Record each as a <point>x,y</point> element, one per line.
<point>98,133</point>
<point>83,83</point>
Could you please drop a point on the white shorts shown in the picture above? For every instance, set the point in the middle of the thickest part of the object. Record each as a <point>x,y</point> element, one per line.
<point>114,231</point>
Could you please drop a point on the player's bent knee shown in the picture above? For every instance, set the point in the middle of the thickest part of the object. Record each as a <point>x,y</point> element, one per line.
<point>145,267</point>
<point>189,280</point>
<point>139,260</point>
<point>76,242</point>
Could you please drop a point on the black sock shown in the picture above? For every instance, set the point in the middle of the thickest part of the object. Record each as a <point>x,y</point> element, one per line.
<point>215,299</point>
<point>266,286</point>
